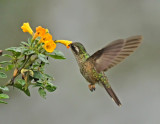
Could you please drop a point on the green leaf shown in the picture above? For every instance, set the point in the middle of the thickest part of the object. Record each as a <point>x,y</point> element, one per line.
<point>37,75</point>
<point>17,50</point>
<point>16,54</point>
<point>29,52</point>
<point>4,88</point>
<point>6,55</point>
<point>4,62</point>
<point>42,92</point>
<point>50,87</point>
<point>3,102</point>
<point>4,96</point>
<point>1,91</point>
<point>14,49</point>
<point>3,75</point>
<point>48,76</point>
<point>38,84</point>
<point>1,68</point>
<point>43,58</point>
<point>24,43</point>
<point>9,67</point>
<point>24,49</point>
<point>57,55</point>
<point>21,82</point>
<point>29,41</point>
<point>19,86</point>
<point>58,52</point>
<point>35,65</point>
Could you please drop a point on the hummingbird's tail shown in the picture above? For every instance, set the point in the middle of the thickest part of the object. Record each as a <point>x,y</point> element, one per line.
<point>112,94</point>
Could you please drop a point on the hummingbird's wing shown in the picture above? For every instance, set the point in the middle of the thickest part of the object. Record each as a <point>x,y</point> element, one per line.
<point>114,53</point>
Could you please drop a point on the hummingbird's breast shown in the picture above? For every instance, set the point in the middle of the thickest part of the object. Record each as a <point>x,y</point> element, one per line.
<point>88,70</point>
<point>89,73</point>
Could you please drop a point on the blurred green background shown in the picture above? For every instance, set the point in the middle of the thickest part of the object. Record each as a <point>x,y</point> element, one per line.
<point>94,23</point>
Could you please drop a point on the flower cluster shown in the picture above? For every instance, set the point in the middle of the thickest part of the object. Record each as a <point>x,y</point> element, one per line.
<point>45,37</point>
<point>28,62</point>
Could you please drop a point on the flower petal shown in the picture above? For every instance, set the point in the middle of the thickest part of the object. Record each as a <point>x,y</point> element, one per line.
<point>65,42</point>
<point>49,46</point>
<point>40,32</point>
<point>46,37</point>
<point>26,28</point>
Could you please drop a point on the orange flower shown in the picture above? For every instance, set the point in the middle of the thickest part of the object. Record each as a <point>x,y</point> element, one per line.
<point>26,28</point>
<point>49,46</point>
<point>39,32</point>
<point>65,42</point>
<point>46,37</point>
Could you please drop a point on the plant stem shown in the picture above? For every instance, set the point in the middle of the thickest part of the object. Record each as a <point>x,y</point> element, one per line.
<point>11,81</point>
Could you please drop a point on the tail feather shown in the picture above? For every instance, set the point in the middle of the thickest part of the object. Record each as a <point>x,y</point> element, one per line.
<point>112,94</point>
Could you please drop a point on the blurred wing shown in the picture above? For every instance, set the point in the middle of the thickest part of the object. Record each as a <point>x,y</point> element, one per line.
<point>115,52</point>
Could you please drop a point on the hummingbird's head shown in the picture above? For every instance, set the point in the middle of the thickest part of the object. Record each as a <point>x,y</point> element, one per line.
<point>77,48</point>
<point>79,52</point>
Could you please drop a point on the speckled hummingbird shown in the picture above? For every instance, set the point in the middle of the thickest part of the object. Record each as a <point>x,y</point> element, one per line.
<point>92,67</point>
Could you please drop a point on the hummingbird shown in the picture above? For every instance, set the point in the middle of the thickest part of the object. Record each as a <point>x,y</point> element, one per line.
<point>93,67</point>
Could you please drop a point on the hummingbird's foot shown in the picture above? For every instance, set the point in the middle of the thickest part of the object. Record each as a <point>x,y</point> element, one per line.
<point>92,87</point>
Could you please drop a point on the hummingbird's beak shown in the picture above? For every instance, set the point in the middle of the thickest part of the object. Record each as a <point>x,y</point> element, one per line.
<point>70,45</point>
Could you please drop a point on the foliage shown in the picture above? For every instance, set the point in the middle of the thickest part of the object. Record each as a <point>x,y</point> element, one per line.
<point>28,63</point>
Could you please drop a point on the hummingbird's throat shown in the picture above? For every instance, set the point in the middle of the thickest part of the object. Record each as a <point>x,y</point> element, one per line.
<point>82,57</point>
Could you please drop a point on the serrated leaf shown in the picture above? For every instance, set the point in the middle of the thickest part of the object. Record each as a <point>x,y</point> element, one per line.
<point>4,88</point>
<point>3,75</point>
<point>43,58</point>
<point>42,93</point>
<point>4,96</point>
<point>3,102</point>
<point>9,67</point>
<point>50,87</point>
<point>4,62</point>
<point>21,82</point>
<point>19,86</point>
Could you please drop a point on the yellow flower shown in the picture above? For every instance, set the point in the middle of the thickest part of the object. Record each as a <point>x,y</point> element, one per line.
<point>49,46</point>
<point>46,37</point>
<point>40,32</point>
<point>65,42</point>
<point>47,31</point>
<point>26,28</point>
